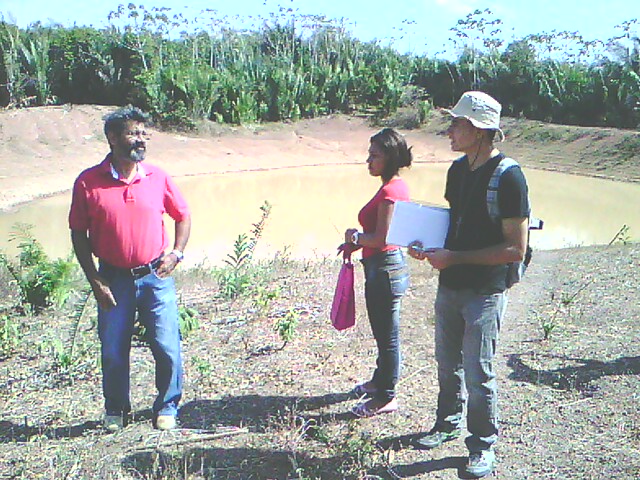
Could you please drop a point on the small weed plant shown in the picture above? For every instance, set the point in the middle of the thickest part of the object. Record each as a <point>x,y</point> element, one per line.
<point>623,237</point>
<point>548,324</point>
<point>189,320</point>
<point>286,326</point>
<point>240,274</point>
<point>237,277</point>
<point>359,452</point>
<point>59,354</point>
<point>80,310</point>
<point>204,370</point>
<point>264,296</point>
<point>202,366</point>
<point>10,335</point>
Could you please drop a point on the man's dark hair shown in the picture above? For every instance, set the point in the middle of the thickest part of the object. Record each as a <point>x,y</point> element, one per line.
<point>115,121</point>
<point>397,154</point>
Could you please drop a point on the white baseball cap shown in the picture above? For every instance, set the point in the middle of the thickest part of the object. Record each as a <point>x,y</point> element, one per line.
<point>482,110</point>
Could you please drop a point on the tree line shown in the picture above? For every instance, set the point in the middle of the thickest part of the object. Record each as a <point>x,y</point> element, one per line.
<point>291,66</point>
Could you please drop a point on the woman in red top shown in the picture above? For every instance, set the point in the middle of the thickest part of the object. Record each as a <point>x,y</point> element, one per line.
<point>386,273</point>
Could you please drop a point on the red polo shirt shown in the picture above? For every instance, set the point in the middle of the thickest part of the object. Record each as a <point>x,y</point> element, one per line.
<point>393,191</point>
<point>125,220</point>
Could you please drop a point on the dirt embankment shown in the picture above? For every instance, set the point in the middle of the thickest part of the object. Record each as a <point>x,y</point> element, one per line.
<point>43,149</point>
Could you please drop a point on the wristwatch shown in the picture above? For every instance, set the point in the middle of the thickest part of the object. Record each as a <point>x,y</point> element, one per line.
<point>355,237</point>
<point>179,255</point>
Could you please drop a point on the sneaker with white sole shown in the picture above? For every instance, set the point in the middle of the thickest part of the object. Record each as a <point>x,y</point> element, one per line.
<point>436,437</point>
<point>481,464</point>
<point>166,422</point>
<point>113,423</point>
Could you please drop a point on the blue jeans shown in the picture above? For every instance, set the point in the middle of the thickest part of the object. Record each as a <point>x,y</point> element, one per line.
<point>154,299</point>
<point>466,337</point>
<point>386,281</point>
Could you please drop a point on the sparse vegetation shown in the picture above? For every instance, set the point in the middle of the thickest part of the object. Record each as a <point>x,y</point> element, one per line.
<point>566,306</point>
<point>292,399</point>
<point>241,274</point>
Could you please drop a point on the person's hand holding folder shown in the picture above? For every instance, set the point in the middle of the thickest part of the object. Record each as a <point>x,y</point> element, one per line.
<point>439,258</point>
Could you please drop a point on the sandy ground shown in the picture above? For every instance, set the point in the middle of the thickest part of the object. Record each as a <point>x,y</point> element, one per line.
<point>43,149</point>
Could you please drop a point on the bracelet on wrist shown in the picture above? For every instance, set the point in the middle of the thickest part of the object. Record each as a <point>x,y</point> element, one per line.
<point>355,237</point>
<point>179,255</point>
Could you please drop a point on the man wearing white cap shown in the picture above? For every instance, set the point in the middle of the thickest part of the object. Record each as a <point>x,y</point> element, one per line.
<point>474,263</point>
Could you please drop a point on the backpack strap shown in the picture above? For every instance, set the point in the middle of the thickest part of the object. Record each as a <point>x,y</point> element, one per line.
<point>493,207</point>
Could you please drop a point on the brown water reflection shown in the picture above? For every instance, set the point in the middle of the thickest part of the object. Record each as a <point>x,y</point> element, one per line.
<point>312,206</point>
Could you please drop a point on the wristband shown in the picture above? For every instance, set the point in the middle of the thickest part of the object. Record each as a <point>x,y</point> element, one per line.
<point>179,255</point>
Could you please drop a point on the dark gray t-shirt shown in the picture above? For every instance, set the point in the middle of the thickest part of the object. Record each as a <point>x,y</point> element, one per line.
<point>471,228</point>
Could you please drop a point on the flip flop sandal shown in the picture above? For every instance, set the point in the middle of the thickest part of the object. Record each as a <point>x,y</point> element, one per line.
<point>361,390</point>
<point>363,411</point>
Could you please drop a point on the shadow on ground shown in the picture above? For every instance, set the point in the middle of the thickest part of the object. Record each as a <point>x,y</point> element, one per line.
<point>253,411</point>
<point>576,377</point>
<point>426,466</point>
<point>256,411</point>
<point>12,432</point>
<point>430,466</point>
<point>236,463</point>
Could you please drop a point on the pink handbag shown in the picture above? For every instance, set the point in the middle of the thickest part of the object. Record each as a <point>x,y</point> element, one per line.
<point>343,309</point>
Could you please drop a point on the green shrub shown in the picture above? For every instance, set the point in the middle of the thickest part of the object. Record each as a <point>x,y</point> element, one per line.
<point>42,282</point>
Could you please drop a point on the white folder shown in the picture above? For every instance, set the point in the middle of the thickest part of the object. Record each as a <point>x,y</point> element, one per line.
<point>412,221</point>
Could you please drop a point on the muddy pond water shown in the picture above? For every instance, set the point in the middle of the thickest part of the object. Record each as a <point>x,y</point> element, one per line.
<point>312,206</point>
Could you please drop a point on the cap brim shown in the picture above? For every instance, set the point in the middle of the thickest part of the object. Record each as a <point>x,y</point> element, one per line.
<point>476,124</point>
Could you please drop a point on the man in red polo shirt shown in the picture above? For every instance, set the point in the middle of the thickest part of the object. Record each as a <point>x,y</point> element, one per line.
<point>117,214</point>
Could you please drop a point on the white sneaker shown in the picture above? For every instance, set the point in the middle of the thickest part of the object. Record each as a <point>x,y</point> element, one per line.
<point>113,423</point>
<point>165,422</point>
<point>481,463</point>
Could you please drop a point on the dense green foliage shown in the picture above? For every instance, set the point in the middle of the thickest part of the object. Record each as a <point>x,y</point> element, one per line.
<point>293,65</point>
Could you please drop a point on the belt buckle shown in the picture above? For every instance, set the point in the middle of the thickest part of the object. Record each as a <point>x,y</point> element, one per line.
<point>140,271</point>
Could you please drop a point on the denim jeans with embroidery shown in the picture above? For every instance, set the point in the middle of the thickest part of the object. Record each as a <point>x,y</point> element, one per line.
<point>466,337</point>
<point>154,299</point>
<point>386,281</point>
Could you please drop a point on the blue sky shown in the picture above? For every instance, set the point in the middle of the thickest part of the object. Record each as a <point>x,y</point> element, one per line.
<point>369,19</point>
